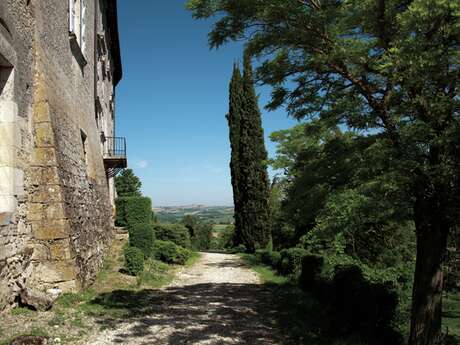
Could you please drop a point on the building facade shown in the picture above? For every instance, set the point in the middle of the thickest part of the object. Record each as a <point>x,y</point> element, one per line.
<point>59,66</point>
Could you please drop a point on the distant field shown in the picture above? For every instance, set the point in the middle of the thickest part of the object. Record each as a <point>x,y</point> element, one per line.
<point>219,227</point>
<point>208,214</point>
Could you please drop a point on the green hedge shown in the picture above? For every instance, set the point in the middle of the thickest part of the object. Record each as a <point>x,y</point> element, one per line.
<point>134,260</point>
<point>142,236</point>
<point>291,261</point>
<point>351,303</point>
<point>176,233</point>
<point>171,253</point>
<point>133,210</point>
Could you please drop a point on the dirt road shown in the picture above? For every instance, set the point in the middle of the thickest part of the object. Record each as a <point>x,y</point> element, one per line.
<point>216,301</point>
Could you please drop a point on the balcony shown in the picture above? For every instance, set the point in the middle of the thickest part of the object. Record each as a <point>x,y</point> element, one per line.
<point>114,155</point>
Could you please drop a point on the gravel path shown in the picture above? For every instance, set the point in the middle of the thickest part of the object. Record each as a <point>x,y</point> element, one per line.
<point>216,301</point>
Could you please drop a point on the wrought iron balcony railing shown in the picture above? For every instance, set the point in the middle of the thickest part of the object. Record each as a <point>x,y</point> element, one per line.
<point>115,147</point>
<point>114,155</point>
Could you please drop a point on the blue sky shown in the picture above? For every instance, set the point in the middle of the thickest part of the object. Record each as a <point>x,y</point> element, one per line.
<point>172,101</point>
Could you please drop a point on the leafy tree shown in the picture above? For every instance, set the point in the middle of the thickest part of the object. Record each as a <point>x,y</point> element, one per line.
<point>385,66</point>
<point>128,184</point>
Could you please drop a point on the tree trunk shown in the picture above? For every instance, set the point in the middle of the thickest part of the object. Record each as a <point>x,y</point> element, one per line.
<point>428,279</point>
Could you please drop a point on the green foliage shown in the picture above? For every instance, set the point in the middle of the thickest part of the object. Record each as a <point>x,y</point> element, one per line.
<point>21,311</point>
<point>385,68</point>
<point>176,233</point>
<point>127,184</point>
<point>224,238</point>
<point>291,261</point>
<point>142,236</point>
<point>234,118</point>
<point>133,210</point>
<point>171,253</point>
<point>200,232</point>
<point>134,260</point>
<point>248,162</point>
<point>269,257</point>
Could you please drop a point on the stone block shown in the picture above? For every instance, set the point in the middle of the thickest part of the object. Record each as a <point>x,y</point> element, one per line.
<point>44,176</point>
<point>60,250</point>
<point>55,272</point>
<point>69,286</point>
<point>8,156</point>
<point>9,134</point>
<point>8,205</point>
<point>50,230</point>
<point>55,211</point>
<point>44,136</point>
<point>47,194</point>
<point>36,212</point>
<point>11,181</point>
<point>42,112</point>
<point>40,252</point>
<point>19,190</point>
<point>8,111</point>
<point>7,181</point>
<point>44,157</point>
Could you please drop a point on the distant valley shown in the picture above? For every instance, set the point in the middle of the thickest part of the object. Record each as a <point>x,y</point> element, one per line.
<point>208,214</point>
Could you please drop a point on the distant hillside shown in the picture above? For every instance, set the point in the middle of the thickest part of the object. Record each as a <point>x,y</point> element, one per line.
<point>209,214</point>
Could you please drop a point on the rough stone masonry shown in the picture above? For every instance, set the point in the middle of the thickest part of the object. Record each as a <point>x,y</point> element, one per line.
<point>59,65</point>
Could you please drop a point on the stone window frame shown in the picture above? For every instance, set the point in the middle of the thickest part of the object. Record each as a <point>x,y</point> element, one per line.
<point>8,119</point>
<point>77,29</point>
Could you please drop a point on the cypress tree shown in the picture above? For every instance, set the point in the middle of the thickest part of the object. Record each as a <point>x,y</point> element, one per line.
<point>234,122</point>
<point>254,186</point>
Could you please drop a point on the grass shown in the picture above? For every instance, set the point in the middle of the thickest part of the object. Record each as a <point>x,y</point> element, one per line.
<point>74,314</point>
<point>34,332</point>
<point>266,273</point>
<point>451,315</point>
<point>156,274</point>
<point>21,311</point>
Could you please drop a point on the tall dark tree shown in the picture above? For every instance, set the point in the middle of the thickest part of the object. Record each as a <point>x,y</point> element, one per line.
<point>254,184</point>
<point>386,66</point>
<point>234,124</point>
<point>248,162</point>
<point>128,184</point>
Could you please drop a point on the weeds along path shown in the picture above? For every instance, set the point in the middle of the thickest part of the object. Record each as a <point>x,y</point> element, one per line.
<point>218,300</point>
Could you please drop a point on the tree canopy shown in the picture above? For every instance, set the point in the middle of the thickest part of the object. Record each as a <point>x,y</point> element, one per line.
<point>383,67</point>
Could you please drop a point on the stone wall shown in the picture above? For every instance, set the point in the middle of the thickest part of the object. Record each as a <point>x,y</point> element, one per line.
<point>58,222</point>
<point>16,70</point>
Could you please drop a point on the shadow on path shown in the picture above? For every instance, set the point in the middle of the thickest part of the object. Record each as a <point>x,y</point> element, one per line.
<point>214,313</point>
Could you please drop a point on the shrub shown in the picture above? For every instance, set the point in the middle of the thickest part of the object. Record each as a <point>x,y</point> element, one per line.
<point>291,261</point>
<point>311,269</point>
<point>267,257</point>
<point>241,248</point>
<point>134,260</point>
<point>360,305</point>
<point>133,210</point>
<point>175,233</point>
<point>142,236</point>
<point>171,253</point>
<point>275,259</point>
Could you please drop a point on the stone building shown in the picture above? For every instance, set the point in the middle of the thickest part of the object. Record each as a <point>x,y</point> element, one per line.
<point>59,65</point>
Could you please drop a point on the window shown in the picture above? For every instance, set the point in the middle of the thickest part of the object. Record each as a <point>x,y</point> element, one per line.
<point>83,141</point>
<point>77,22</point>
